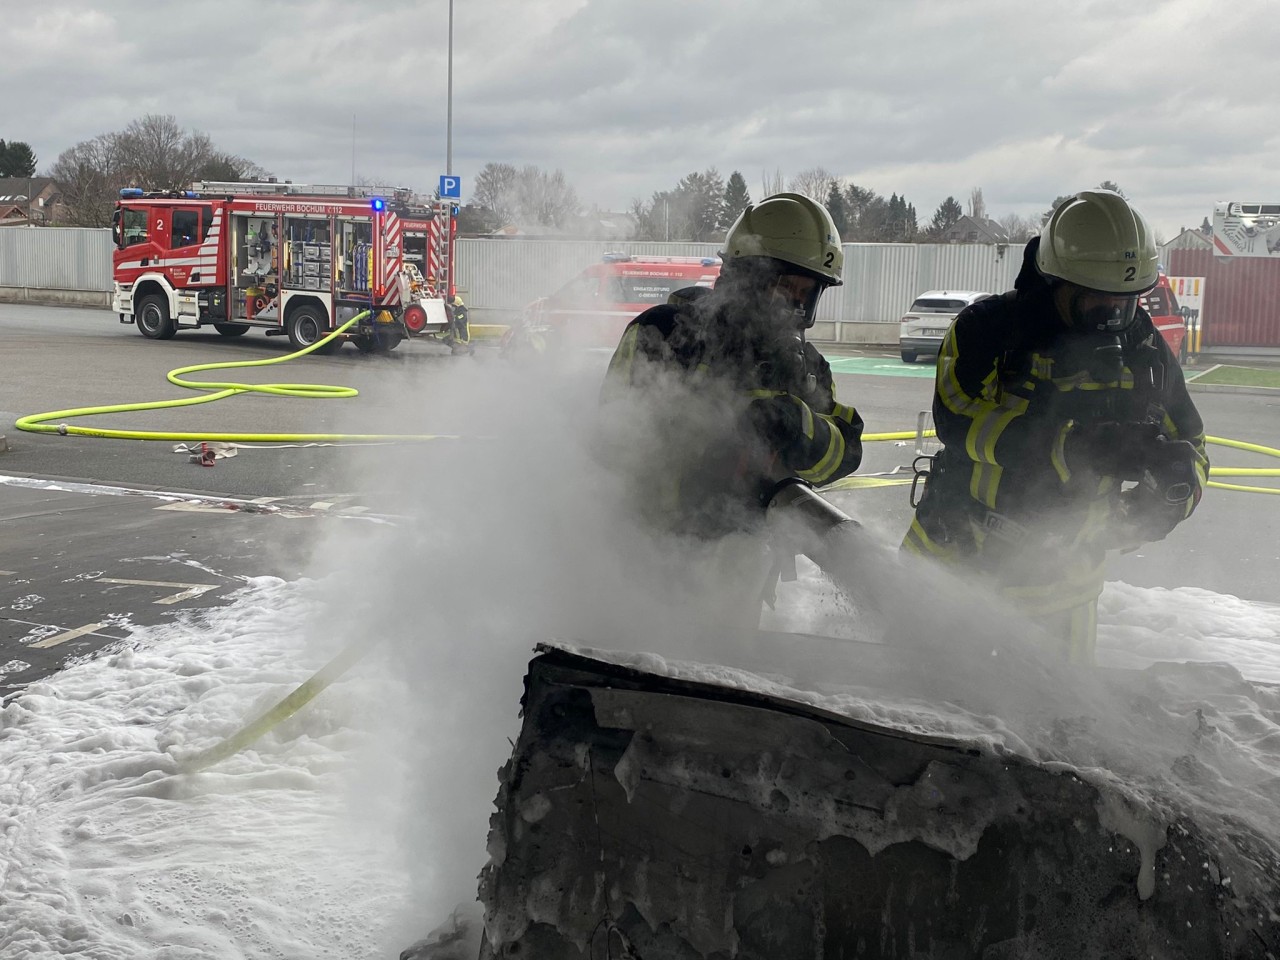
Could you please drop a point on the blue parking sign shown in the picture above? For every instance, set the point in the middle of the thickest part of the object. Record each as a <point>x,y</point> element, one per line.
<point>450,187</point>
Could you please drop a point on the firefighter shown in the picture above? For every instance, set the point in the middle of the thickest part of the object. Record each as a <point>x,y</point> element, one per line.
<point>1048,402</point>
<point>715,396</point>
<point>459,326</point>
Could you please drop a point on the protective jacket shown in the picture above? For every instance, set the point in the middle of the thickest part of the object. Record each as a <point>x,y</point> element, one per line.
<point>731,415</point>
<point>1003,499</point>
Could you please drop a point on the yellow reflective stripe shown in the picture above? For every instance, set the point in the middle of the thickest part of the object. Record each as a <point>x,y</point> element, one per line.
<point>984,482</point>
<point>830,460</point>
<point>989,425</point>
<point>1071,591</point>
<point>1058,454</point>
<point>1083,639</point>
<point>921,544</point>
<point>620,364</point>
<point>949,390</point>
<point>841,412</point>
<point>765,394</point>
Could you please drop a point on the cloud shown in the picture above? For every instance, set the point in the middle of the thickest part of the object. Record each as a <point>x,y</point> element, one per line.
<point>921,98</point>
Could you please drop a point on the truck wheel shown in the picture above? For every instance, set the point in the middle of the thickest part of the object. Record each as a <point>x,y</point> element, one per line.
<point>305,326</point>
<point>232,329</point>
<point>415,319</point>
<point>153,318</point>
<point>908,356</point>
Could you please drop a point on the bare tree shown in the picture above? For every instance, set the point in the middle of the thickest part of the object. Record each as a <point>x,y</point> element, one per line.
<point>545,199</point>
<point>977,206</point>
<point>772,184</point>
<point>495,190</point>
<point>90,175</point>
<point>1020,229</point>
<point>153,153</point>
<point>814,183</point>
<point>159,155</point>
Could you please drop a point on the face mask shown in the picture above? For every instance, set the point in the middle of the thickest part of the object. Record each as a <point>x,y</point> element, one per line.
<point>795,299</point>
<point>1104,312</point>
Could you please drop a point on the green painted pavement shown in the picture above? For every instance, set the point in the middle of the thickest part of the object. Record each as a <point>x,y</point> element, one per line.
<point>881,367</point>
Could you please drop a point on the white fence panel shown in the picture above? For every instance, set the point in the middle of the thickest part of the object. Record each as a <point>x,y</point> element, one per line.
<point>56,258</point>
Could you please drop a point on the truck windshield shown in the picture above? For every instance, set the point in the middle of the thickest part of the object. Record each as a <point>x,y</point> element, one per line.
<point>134,224</point>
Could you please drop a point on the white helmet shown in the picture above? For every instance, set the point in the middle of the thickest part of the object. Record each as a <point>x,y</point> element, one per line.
<point>1098,241</point>
<point>1102,247</point>
<point>792,228</point>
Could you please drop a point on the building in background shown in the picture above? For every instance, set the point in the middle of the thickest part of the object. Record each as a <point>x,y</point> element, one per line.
<point>29,201</point>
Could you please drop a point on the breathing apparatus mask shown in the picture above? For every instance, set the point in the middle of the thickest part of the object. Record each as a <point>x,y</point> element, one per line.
<point>1090,311</point>
<point>773,305</point>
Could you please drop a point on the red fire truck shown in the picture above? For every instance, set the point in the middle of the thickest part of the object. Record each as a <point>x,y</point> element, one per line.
<point>291,259</point>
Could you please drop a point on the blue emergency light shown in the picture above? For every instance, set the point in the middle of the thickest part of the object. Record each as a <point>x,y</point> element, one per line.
<point>130,193</point>
<point>379,204</point>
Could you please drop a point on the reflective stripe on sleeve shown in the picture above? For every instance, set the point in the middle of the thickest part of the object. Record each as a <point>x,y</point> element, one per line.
<point>824,468</point>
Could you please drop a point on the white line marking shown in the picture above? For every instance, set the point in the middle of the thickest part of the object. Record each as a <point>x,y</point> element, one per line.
<point>192,589</point>
<point>67,635</point>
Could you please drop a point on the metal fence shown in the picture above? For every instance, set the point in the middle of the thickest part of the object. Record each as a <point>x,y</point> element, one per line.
<point>56,258</point>
<point>881,279</point>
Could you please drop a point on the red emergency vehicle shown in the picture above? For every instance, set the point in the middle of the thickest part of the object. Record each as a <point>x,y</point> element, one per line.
<point>593,308</point>
<point>1162,305</point>
<point>294,260</point>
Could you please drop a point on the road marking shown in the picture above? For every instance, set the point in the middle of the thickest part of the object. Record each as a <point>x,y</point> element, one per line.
<point>191,589</point>
<point>7,573</point>
<point>68,635</point>
<point>195,506</point>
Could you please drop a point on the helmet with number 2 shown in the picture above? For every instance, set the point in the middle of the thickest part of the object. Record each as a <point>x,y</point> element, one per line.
<point>1097,242</point>
<point>799,234</point>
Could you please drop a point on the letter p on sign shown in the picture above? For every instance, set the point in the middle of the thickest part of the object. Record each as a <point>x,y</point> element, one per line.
<point>450,187</point>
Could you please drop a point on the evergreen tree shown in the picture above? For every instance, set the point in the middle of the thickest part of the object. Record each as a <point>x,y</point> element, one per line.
<point>945,217</point>
<point>736,199</point>
<point>1057,202</point>
<point>836,207</point>
<point>17,159</point>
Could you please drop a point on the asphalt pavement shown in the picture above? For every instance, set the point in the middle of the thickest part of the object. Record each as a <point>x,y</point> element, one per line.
<point>103,533</point>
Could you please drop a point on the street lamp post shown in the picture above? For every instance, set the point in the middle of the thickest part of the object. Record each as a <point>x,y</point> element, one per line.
<point>448,159</point>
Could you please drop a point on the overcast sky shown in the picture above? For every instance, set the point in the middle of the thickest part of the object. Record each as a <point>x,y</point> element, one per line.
<point>1175,100</point>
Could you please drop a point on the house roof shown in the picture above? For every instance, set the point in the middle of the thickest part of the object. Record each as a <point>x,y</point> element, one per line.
<point>19,189</point>
<point>985,228</point>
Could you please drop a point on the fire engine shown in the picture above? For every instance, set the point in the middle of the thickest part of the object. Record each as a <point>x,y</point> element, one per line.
<point>294,260</point>
<point>592,309</point>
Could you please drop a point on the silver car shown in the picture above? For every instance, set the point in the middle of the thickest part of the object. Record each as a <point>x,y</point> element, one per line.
<point>926,323</point>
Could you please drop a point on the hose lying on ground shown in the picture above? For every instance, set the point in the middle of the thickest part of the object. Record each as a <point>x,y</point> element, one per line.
<point>41,422</point>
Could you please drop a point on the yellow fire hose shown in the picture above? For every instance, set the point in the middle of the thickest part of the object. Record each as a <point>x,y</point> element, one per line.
<point>286,708</point>
<point>40,422</point>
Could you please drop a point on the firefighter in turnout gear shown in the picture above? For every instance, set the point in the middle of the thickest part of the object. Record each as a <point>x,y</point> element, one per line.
<point>734,397</point>
<point>1065,424</point>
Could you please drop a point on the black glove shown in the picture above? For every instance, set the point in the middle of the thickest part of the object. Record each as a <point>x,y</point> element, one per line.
<point>1148,515</point>
<point>778,425</point>
<point>1121,450</point>
<point>1160,500</point>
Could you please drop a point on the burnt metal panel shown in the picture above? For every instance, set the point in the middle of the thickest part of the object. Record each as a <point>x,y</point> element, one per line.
<point>676,819</point>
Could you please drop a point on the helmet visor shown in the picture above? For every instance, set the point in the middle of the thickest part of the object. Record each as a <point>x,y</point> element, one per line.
<point>1106,312</point>
<point>797,294</point>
